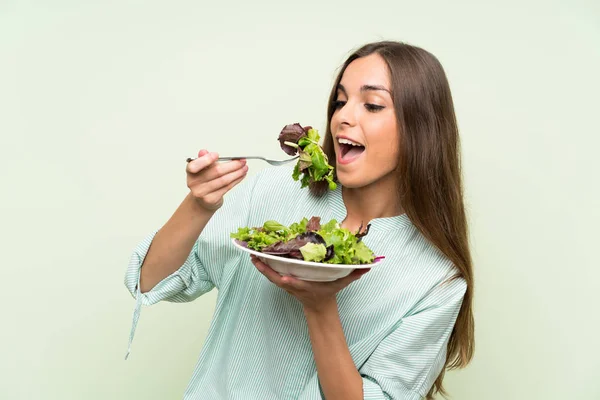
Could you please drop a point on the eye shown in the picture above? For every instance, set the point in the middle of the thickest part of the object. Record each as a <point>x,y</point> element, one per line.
<point>338,104</point>
<point>373,107</point>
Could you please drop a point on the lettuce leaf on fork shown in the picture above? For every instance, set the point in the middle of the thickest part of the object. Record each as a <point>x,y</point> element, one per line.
<point>313,163</point>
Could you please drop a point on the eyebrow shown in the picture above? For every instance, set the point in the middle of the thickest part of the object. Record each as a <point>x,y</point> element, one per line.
<point>365,88</point>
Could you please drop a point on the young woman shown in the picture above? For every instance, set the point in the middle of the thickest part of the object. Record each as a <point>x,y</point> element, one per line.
<point>389,333</point>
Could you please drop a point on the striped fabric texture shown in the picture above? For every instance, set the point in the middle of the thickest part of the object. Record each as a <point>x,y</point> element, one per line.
<point>396,319</point>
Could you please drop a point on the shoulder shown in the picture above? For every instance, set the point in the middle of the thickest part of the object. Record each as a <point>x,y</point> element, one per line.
<point>406,245</point>
<point>428,257</point>
<point>413,265</point>
<point>440,277</point>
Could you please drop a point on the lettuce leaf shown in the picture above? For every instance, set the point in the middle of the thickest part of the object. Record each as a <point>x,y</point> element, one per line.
<point>289,137</point>
<point>313,252</point>
<point>313,164</point>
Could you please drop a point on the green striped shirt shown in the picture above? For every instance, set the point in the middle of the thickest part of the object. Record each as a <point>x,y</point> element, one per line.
<point>396,319</point>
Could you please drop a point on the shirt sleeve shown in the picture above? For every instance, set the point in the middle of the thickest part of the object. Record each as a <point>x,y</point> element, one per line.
<point>203,268</point>
<point>407,362</point>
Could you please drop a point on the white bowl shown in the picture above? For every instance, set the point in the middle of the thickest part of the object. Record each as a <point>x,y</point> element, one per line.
<point>306,270</point>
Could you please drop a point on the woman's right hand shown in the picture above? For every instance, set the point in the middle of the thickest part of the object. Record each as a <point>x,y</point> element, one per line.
<point>209,181</point>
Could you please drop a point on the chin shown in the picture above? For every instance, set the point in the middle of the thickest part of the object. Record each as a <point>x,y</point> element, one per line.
<point>356,178</point>
<point>351,180</point>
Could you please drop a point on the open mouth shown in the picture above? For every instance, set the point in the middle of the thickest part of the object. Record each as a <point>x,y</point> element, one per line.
<point>350,149</point>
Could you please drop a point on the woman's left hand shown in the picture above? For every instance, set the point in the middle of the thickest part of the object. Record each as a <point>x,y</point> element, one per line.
<point>314,296</point>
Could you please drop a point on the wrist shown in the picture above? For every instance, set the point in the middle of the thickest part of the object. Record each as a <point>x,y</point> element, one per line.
<point>199,209</point>
<point>323,309</point>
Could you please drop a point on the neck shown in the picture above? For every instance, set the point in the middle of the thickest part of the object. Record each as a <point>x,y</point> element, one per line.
<point>377,200</point>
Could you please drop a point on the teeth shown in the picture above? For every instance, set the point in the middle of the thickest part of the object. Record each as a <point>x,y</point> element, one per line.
<point>350,142</point>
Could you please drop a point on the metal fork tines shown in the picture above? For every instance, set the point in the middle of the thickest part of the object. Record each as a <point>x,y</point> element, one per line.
<point>272,162</point>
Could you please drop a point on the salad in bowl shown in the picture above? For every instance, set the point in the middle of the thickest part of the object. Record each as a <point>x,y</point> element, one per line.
<point>307,249</point>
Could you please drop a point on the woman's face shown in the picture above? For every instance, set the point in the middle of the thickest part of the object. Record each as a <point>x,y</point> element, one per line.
<point>364,127</point>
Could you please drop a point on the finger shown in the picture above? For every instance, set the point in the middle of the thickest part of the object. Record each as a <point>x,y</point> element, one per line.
<point>219,169</point>
<point>210,187</point>
<point>296,284</point>
<point>267,271</point>
<point>202,152</point>
<point>202,162</point>
<point>288,283</point>
<point>221,192</point>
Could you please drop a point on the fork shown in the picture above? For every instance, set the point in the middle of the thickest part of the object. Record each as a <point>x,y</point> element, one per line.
<point>272,162</point>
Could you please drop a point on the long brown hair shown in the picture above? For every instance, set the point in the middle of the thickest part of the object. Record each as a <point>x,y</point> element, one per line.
<point>429,170</point>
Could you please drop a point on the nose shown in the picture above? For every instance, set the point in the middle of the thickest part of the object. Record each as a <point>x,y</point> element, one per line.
<point>345,116</point>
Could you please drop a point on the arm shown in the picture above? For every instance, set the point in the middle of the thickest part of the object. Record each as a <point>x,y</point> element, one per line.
<point>171,246</point>
<point>337,373</point>
<point>338,376</point>
<point>173,243</point>
<point>184,274</point>
<point>405,364</point>
<point>172,259</point>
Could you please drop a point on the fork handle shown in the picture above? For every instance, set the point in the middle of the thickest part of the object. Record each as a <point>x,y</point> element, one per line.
<point>225,158</point>
<point>237,158</point>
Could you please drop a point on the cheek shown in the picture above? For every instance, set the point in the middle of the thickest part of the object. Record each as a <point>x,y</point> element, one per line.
<point>383,157</point>
<point>334,123</point>
<point>385,143</point>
